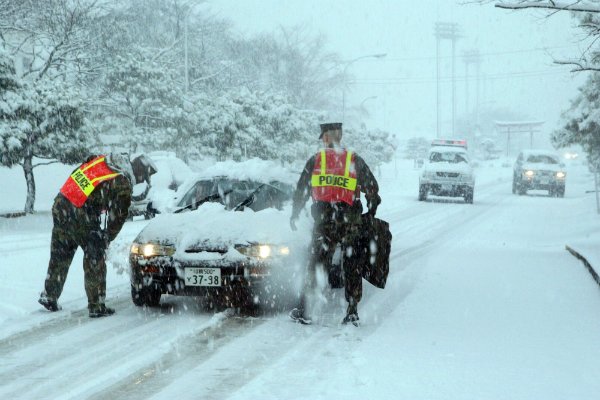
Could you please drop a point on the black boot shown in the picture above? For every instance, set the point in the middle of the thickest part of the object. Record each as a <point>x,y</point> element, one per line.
<point>351,314</point>
<point>100,310</point>
<point>298,315</point>
<point>49,304</point>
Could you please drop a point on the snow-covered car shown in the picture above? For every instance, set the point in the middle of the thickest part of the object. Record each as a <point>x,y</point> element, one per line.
<point>228,241</point>
<point>160,174</point>
<point>447,172</point>
<point>539,170</point>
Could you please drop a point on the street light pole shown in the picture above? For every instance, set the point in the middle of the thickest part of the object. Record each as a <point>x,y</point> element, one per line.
<point>185,38</point>
<point>347,64</point>
<point>366,99</point>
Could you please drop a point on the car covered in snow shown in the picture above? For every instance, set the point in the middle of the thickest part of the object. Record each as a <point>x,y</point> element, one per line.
<point>159,174</point>
<point>228,241</point>
<point>539,170</point>
<point>447,172</point>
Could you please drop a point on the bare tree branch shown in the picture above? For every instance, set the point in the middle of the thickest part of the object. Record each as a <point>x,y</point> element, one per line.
<point>579,67</point>
<point>551,5</point>
<point>45,163</point>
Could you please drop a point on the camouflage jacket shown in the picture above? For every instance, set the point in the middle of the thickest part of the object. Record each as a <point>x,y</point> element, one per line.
<point>113,195</point>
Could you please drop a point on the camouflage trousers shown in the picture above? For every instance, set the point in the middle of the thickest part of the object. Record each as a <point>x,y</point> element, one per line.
<point>328,232</point>
<point>67,236</point>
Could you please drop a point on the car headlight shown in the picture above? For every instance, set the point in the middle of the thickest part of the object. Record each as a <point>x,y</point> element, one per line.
<point>428,174</point>
<point>560,175</point>
<point>263,251</point>
<point>152,249</point>
<point>529,173</point>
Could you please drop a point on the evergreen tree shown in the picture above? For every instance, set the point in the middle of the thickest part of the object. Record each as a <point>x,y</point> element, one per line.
<point>374,146</point>
<point>41,122</point>
<point>582,122</point>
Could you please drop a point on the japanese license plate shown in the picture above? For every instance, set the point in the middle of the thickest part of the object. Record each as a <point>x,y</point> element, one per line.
<point>446,187</point>
<point>203,277</point>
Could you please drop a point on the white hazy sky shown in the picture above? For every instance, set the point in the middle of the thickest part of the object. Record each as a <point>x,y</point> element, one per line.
<point>517,51</point>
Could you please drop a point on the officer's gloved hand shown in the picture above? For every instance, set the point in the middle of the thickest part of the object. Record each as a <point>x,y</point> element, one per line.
<point>293,223</point>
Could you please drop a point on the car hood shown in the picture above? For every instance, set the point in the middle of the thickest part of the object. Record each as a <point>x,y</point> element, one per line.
<point>447,167</point>
<point>213,227</point>
<point>542,166</point>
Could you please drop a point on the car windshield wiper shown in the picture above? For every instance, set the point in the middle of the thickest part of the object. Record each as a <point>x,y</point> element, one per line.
<point>203,200</point>
<point>250,199</point>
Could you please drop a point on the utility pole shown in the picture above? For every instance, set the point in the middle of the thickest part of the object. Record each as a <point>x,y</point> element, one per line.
<point>437,91</point>
<point>477,80</point>
<point>453,86</point>
<point>471,57</point>
<point>448,31</point>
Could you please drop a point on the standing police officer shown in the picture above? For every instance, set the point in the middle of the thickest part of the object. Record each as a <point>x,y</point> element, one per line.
<point>334,177</point>
<point>88,212</point>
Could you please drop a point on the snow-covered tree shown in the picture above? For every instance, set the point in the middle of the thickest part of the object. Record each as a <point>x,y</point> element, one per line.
<point>375,146</point>
<point>582,121</point>
<point>141,102</point>
<point>247,124</point>
<point>53,35</point>
<point>291,61</point>
<point>37,122</point>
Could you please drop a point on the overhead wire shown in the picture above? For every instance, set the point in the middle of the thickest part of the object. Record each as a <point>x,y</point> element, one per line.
<point>462,78</point>
<point>556,70</point>
<point>482,55</point>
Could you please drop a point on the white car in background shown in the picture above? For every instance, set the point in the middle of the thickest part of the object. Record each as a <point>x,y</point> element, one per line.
<point>447,172</point>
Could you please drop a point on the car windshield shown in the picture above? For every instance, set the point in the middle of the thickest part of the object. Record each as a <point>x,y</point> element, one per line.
<point>233,193</point>
<point>542,159</point>
<point>449,157</point>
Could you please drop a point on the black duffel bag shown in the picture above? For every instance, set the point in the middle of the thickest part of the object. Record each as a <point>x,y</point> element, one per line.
<point>375,247</point>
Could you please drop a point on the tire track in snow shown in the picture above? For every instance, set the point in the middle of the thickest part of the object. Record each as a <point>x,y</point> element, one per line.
<point>54,326</point>
<point>104,351</point>
<point>8,247</point>
<point>186,354</point>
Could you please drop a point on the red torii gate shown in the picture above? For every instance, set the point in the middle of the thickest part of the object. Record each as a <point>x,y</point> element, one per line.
<point>509,127</point>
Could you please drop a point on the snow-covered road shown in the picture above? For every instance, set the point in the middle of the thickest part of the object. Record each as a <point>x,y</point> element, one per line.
<point>482,302</point>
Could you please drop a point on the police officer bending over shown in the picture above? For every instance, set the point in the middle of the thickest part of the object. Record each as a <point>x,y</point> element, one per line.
<point>88,212</point>
<point>334,178</point>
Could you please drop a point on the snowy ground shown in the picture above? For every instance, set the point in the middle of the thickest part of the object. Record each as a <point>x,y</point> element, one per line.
<point>483,302</point>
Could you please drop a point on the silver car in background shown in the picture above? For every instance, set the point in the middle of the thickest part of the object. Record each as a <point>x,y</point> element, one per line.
<point>539,170</point>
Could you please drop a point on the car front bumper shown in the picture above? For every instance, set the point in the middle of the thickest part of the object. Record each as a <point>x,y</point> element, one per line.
<point>168,274</point>
<point>441,186</point>
<point>541,183</point>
